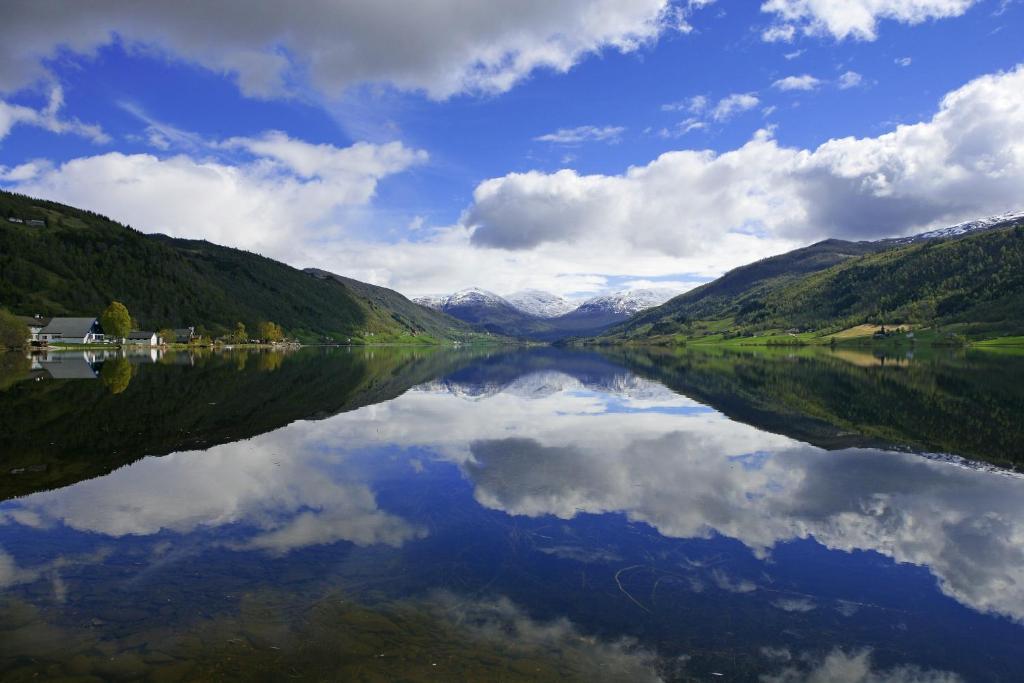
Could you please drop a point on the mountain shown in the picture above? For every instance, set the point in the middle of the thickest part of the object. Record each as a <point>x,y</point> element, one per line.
<point>626,303</point>
<point>413,315</point>
<point>990,223</point>
<point>59,260</point>
<point>486,310</point>
<point>972,277</point>
<point>530,314</point>
<point>539,303</point>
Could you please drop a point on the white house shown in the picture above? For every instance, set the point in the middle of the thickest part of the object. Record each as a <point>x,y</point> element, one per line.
<point>143,338</point>
<point>71,331</point>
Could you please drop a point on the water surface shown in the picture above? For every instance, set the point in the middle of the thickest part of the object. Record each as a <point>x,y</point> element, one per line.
<point>495,514</point>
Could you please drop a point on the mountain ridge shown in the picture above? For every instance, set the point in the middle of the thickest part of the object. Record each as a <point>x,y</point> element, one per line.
<point>969,274</point>
<point>59,260</point>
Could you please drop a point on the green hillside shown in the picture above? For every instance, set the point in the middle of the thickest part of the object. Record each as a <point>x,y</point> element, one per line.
<point>975,284</point>
<point>80,261</point>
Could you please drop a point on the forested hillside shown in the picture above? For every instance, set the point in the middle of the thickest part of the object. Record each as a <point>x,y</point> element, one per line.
<point>975,282</point>
<point>79,261</point>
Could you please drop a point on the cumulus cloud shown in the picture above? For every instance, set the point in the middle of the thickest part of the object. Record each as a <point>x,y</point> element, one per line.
<point>857,19</point>
<point>281,196</point>
<point>804,82</point>
<point>48,118</point>
<point>441,47</point>
<point>570,136</point>
<point>687,211</point>
<point>966,161</point>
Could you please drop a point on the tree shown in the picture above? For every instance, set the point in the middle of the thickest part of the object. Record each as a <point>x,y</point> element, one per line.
<point>116,320</point>
<point>167,335</point>
<point>239,336</point>
<point>269,332</point>
<point>14,334</point>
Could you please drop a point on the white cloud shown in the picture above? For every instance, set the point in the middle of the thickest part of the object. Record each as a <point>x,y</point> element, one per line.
<point>442,47</point>
<point>903,61</point>
<point>687,211</point>
<point>856,19</point>
<point>780,33</point>
<point>966,161</point>
<point>569,136</point>
<point>734,104</point>
<point>282,198</point>
<point>695,105</point>
<point>804,82</point>
<point>48,118</point>
<point>850,79</point>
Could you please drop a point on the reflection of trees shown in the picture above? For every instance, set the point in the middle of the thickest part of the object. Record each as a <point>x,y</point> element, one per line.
<point>116,374</point>
<point>13,367</point>
<point>268,362</point>
<point>967,406</point>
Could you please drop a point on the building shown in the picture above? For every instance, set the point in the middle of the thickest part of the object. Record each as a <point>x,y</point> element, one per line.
<point>35,324</point>
<point>71,331</point>
<point>182,335</point>
<point>35,223</point>
<point>143,338</point>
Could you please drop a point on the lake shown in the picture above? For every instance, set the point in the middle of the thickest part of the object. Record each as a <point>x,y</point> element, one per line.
<point>512,514</point>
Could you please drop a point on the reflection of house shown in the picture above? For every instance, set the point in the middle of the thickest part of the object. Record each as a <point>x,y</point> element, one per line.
<point>71,331</point>
<point>67,367</point>
<point>143,337</point>
<point>35,325</point>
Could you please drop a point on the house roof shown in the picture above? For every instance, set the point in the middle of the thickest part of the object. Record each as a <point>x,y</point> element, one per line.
<point>33,321</point>
<point>140,334</point>
<point>68,368</point>
<point>69,327</point>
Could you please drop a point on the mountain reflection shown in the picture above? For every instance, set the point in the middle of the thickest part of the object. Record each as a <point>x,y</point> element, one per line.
<point>546,494</point>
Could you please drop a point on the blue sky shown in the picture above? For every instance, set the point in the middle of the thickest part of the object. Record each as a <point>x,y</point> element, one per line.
<point>578,146</point>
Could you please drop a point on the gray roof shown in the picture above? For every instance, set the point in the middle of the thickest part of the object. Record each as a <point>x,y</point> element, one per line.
<point>70,328</point>
<point>140,334</point>
<point>32,321</point>
<point>68,368</point>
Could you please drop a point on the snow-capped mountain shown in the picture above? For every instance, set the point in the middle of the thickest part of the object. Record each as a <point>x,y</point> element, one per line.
<point>627,302</point>
<point>471,296</point>
<point>539,303</point>
<point>961,229</point>
<point>484,309</point>
<point>541,315</point>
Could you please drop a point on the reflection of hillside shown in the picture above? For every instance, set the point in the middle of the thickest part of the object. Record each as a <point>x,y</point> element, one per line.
<point>967,406</point>
<point>57,432</point>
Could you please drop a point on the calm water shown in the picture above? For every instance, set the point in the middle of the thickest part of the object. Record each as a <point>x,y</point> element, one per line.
<point>505,515</point>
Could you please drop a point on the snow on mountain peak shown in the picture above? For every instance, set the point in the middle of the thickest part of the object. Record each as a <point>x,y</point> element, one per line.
<point>968,226</point>
<point>539,303</point>
<point>628,301</point>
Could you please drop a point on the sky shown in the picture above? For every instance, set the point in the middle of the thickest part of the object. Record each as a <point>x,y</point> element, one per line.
<point>574,146</point>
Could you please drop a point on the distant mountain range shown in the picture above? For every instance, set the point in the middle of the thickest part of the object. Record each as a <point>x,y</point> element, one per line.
<point>543,316</point>
<point>969,276</point>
